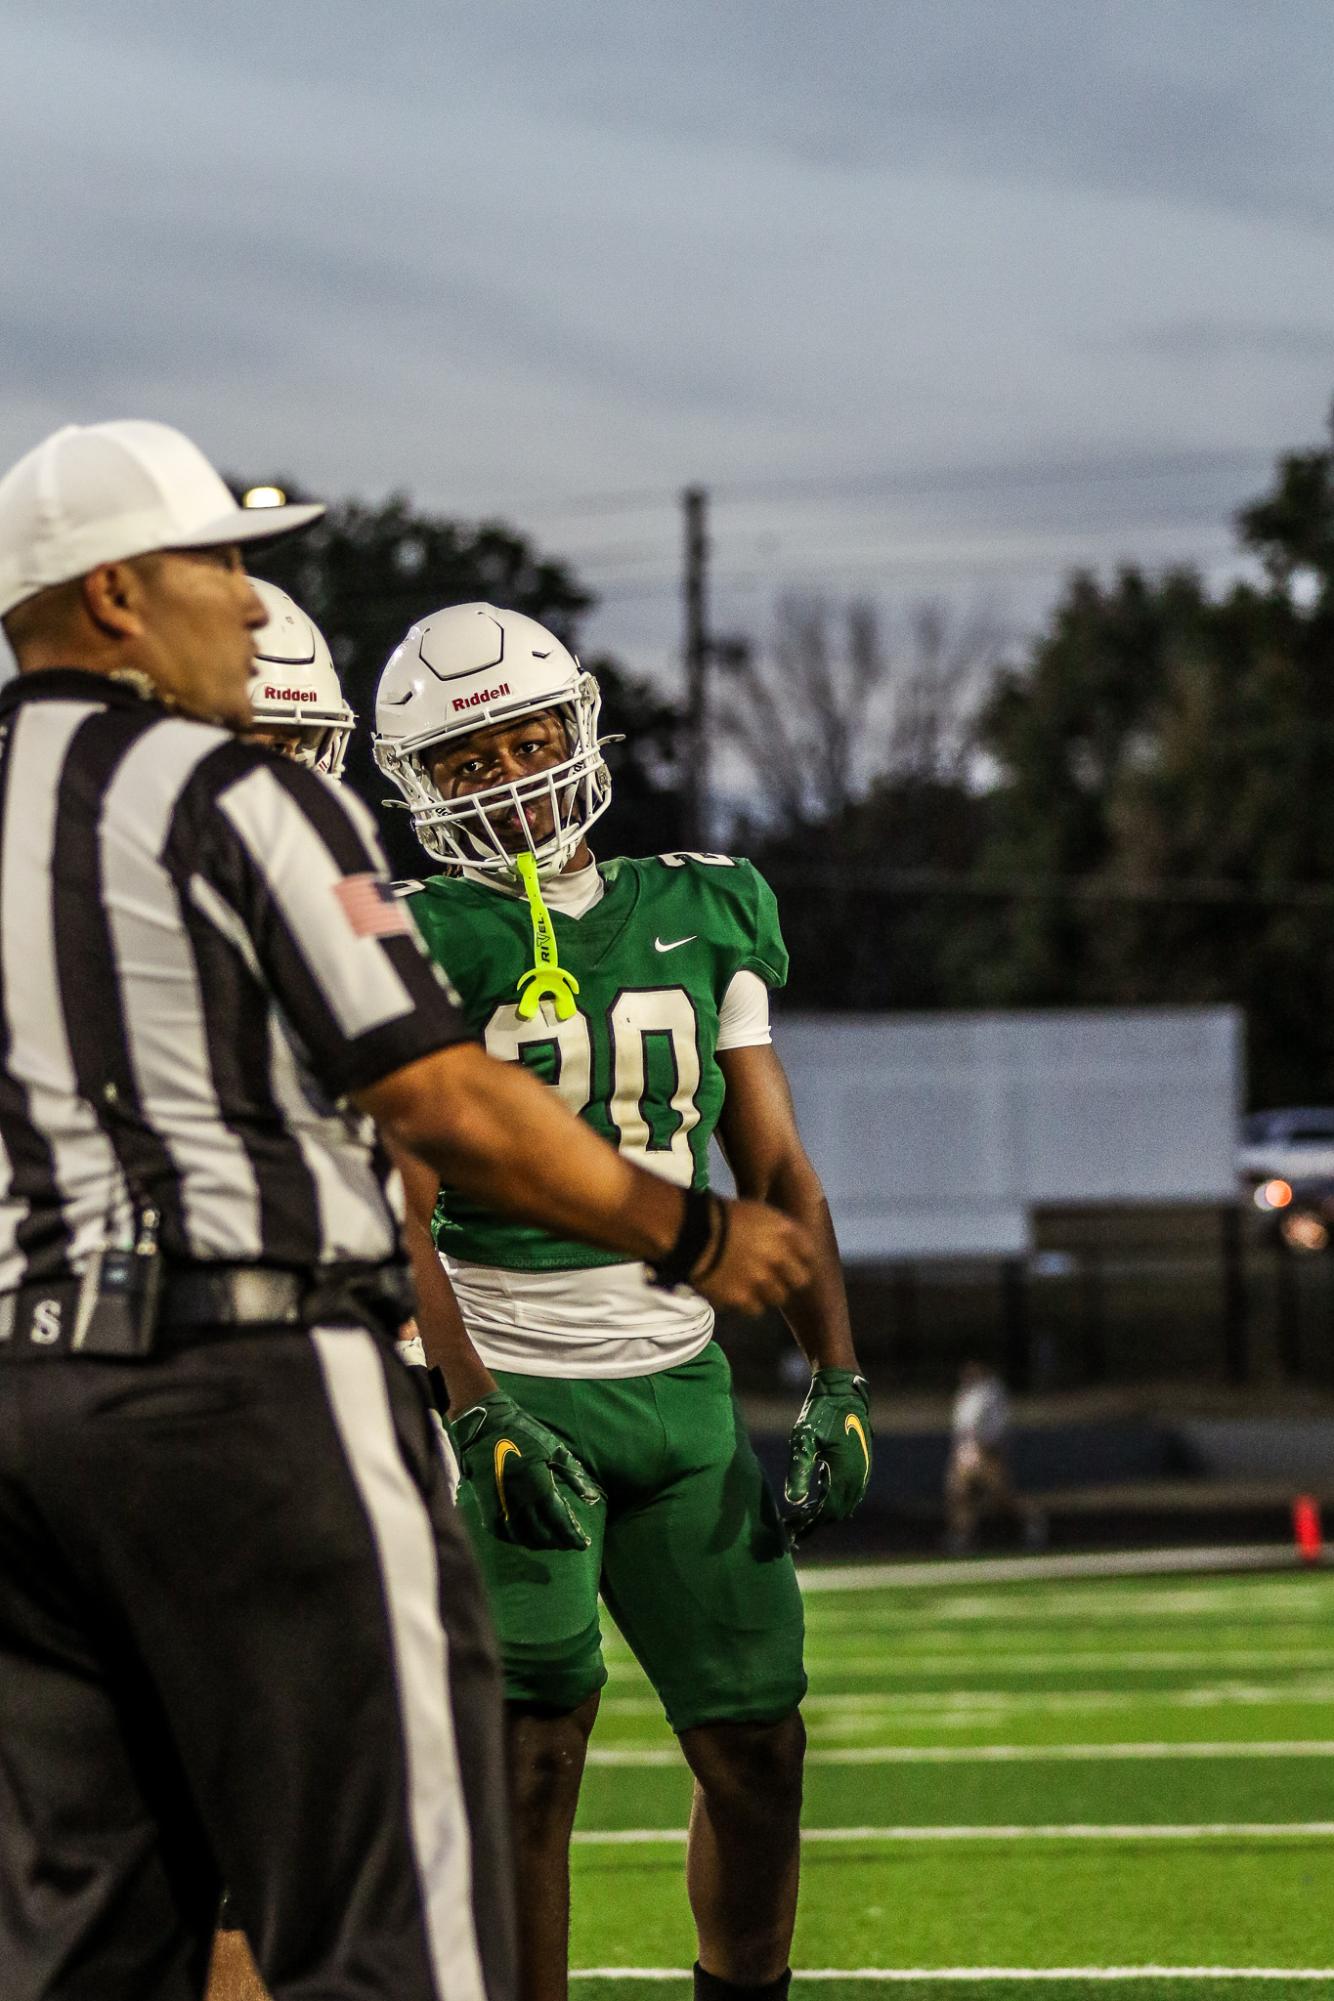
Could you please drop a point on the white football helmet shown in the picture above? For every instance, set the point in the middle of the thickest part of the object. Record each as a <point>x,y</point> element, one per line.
<point>464,668</point>
<point>295,687</point>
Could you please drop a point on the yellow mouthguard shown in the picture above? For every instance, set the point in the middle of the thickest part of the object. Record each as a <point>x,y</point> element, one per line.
<point>546,978</point>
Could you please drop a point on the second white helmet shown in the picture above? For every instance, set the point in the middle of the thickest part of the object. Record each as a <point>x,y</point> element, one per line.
<point>295,686</point>
<point>461,669</point>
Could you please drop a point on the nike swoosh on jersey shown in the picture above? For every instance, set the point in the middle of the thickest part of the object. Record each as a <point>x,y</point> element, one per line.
<point>505,1449</point>
<point>658,945</point>
<point>853,1424</point>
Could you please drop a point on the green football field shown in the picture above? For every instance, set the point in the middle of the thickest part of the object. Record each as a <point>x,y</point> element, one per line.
<point>1127,1780</point>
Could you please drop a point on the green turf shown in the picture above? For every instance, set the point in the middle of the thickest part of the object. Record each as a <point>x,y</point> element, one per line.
<point>952,1990</point>
<point>1227,1661</point>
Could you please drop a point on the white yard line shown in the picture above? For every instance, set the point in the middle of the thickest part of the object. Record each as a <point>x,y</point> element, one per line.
<point>1059,1661</point>
<point>1032,1635</point>
<point>950,1704</point>
<point>1203,1830</point>
<point>1278,1556</point>
<point>980,1973</point>
<point>1253,1601</point>
<point>1204,1695</point>
<point>1000,1754</point>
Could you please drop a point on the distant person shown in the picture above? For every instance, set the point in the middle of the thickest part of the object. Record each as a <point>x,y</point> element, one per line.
<point>979,1481</point>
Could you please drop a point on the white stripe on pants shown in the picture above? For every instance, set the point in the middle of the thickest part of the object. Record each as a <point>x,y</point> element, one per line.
<point>352,1366</point>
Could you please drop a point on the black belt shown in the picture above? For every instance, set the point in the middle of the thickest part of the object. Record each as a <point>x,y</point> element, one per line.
<point>66,1317</point>
<point>265,1296</point>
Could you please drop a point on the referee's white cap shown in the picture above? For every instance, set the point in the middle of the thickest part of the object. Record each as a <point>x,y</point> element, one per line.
<point>98,493</point>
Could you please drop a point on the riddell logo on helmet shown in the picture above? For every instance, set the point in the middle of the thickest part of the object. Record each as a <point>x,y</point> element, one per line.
<point>482,695</point>
<point>289,695</point>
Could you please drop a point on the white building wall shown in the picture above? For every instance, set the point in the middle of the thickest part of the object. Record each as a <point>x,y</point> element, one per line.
<point>936,1135</point>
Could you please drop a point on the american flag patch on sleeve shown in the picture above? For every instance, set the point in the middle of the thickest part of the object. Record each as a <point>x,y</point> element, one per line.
<point>371,908</point>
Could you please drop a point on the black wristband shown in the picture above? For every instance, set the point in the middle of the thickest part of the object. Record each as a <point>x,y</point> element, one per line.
<point>675,1265</point>
<point>714,1259</point>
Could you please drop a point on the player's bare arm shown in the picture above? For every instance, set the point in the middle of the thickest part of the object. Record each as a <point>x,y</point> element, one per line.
<point>829,1463</point>
<point>444,1337</point>
<point>758,1134</point>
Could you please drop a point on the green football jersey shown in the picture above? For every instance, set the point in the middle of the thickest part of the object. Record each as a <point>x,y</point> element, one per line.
<point>638,1060</point>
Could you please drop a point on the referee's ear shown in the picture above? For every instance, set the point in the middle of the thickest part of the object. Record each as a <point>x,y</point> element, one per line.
<point>115,598</point>
<point>88,622</point>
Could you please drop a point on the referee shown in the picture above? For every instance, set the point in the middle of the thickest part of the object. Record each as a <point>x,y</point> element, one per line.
<point>240,1638</point>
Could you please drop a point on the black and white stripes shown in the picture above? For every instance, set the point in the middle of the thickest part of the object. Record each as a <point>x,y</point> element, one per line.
<point>436,1814</point>
<point>169,928</point>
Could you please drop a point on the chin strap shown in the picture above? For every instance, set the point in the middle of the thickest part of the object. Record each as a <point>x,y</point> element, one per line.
<point>546,978</point>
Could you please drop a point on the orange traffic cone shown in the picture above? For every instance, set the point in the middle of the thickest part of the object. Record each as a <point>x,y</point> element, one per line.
<point>1306,1528</point>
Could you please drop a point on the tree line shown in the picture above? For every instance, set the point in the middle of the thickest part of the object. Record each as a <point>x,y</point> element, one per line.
<point>1138,809</point>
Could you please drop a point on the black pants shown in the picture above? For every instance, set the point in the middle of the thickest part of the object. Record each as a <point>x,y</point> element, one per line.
<point>242,1640</point>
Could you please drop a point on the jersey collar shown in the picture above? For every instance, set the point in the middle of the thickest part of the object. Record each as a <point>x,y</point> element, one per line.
<point>599,929</point>
<point>571,896</point>
<point>69,684</point>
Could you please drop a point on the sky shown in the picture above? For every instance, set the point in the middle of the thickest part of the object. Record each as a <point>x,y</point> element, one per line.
<point>935,297</point>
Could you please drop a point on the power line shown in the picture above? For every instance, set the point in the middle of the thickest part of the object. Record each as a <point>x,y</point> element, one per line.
<point>1182,890</point>
<point>801,572</point>
<point>982,476</point>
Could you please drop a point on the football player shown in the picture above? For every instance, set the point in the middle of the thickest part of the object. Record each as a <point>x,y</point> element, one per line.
<point>295,696</point>
<point>593,1411</point>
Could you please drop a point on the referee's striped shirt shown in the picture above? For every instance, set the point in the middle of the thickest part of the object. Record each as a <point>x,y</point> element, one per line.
<point>196,967</point>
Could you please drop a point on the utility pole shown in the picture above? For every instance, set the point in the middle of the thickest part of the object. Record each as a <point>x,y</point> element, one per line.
<point>697,651</point>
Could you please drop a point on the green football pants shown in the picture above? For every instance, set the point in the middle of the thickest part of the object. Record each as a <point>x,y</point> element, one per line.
<point>687,1552</point>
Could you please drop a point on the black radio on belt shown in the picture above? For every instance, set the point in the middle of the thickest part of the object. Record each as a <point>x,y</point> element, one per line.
<point>128,1303</point>
<point>111,1309</point>
<point>123,1296</point>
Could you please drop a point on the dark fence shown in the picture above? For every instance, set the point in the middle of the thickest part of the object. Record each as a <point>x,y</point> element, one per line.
<point>1109,1296</point>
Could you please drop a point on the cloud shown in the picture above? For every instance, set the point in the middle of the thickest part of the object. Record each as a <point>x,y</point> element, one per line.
<point>1206,103</point>
<point>884,273</point>
<point>1209,103</point>
<point>1195,341</point>
<point>260,216</point>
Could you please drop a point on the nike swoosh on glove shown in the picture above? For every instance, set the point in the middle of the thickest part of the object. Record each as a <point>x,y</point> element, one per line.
<point>829,1454</point>
<point>523,1475</point>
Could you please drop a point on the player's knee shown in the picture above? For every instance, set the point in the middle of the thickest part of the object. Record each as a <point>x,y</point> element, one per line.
<point>754,1769</point>
<point>544,1781</point>
<point>780,1757</point>
<point>546,1759</point>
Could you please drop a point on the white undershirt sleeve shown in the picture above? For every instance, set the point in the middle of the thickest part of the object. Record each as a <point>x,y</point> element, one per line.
<point>743,1019</point>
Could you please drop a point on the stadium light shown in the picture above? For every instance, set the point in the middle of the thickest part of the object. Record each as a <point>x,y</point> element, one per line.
<point>1305,1232</point>
<point>264,496</point>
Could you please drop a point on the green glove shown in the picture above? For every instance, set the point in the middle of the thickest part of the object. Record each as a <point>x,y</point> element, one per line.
<point>519,1472</point>
<point>829,1457</point>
